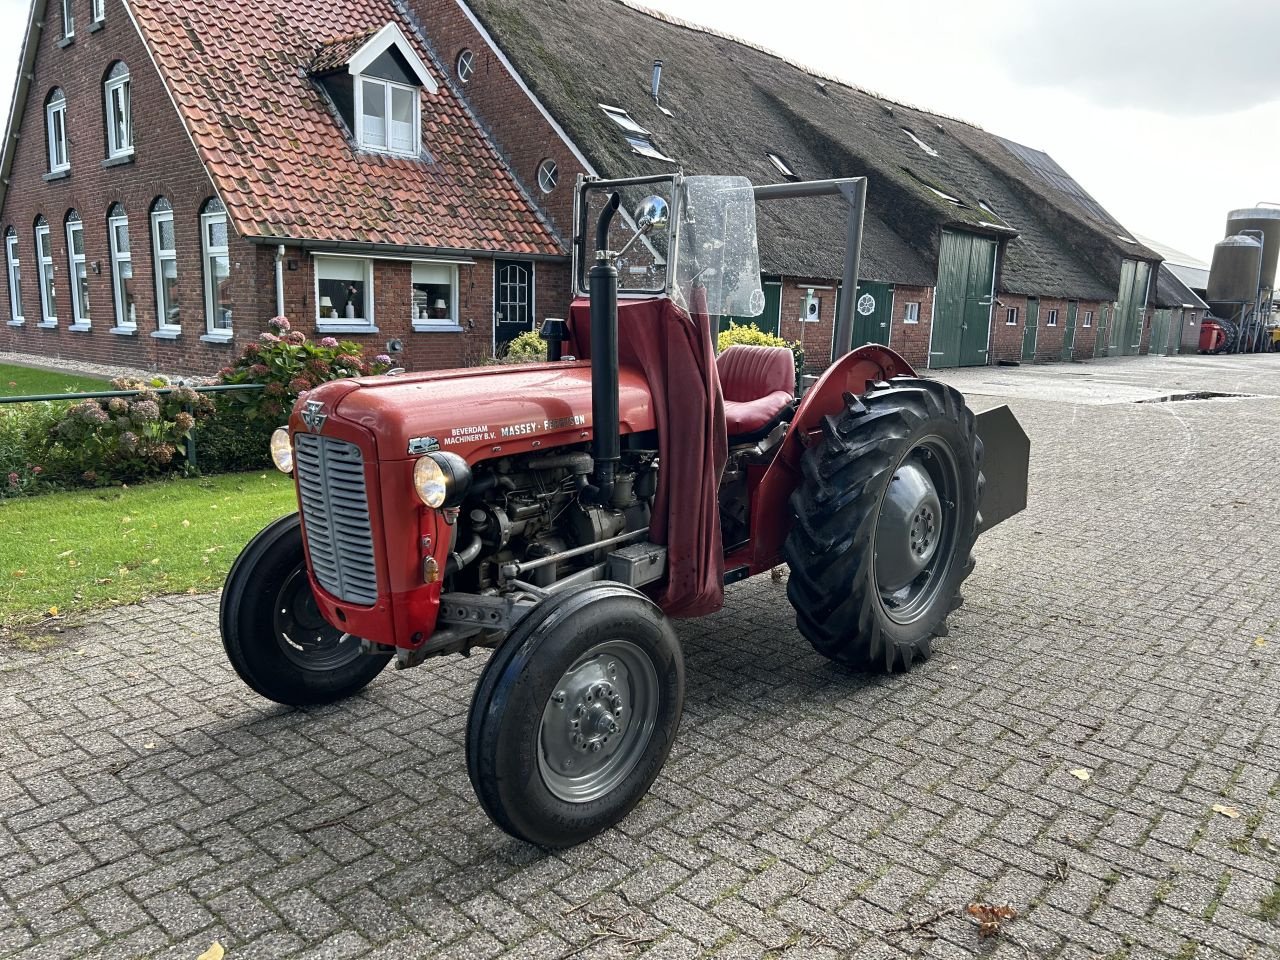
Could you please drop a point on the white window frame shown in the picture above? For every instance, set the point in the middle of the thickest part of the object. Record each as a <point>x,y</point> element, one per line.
<point>341,323</point>
<point>68,19</point>
<point>437,323</point>
<point>1051,318</point>
<point>99,10</point>
<point>48,311</point>
<point>119,86</point>
<point>14,268</point>
<point>160,258</point>
<point>388,86</point>
<point>1088,319</point>
<point>911,312</point>
<point>55,120</point>
<point>1011,316</point>
<point>124,322</point>
<point>208,254</point>
<point>80,318</point>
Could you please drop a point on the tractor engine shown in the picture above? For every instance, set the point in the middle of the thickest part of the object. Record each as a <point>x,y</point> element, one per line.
<point>522,513</point>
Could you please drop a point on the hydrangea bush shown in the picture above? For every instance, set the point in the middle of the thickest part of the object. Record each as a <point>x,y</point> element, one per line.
<point>286,363</point>
<point>125,438</point>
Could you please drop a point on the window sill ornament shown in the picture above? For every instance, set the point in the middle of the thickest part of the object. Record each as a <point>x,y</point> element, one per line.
<point>327,310</point>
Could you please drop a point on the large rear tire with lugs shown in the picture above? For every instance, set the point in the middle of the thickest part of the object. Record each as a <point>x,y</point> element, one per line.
<point>884,522</point>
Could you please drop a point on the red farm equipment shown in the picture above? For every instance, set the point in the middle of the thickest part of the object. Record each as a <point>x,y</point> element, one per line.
<point>563,513</point>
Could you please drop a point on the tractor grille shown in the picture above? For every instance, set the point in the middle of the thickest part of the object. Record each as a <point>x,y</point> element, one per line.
<point>335,517</point>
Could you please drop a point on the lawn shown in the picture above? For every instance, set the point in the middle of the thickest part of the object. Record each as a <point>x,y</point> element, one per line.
<point>93,548</point>
<point>16,381</point>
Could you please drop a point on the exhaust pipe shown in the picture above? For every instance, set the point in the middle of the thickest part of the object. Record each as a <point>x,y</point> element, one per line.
<point>602,285</point>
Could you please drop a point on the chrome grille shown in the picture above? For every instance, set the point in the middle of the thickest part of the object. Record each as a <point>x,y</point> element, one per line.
<point>335,517</point>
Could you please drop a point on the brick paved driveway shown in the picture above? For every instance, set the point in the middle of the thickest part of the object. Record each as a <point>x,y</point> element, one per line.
<point>1125,625</point>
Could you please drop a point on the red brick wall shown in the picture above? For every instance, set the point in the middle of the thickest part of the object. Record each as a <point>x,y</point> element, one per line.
<point>1086,337</point>
<point>1049,339</point>
<point>516,127</point>
<point>165,164</point>
<point>911,340</point>
<point>1006,340</point>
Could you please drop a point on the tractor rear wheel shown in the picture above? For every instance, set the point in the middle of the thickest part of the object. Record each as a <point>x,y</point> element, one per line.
<point>274,634</point>
<point>885,519</point>
<point>575,714</point>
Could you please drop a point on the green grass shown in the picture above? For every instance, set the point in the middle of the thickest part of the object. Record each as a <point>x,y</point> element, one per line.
<point>16,381</point>
<point>95,548</point>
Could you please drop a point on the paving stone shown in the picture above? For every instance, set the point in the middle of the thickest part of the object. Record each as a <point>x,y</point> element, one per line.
<point>806,810</point>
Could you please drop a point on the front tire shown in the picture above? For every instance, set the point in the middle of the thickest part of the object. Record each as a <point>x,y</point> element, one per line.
<point>575,714</point>
<point>885,519</point>
<point>274,634</point>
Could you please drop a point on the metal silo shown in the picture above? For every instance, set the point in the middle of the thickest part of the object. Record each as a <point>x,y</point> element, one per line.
<point>1233,276</point>
<point>1265,220</point>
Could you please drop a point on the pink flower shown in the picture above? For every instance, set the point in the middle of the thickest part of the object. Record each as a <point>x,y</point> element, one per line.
<point>298,384</point>
<point>13,479</point>
<point>269,338</point>
<point>259,370</point>
<point>297,338</point>
<point>325,342</point>
<point>383,359</point>
<point>37,470</point>
<point>279,323</point>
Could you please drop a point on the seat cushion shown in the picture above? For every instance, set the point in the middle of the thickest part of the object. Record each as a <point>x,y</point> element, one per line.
<point>750,372</point>
<point>748,416</point>
<point>758,384</point>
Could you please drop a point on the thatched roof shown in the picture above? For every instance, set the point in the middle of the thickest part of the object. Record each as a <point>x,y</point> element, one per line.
<point>733,104</point>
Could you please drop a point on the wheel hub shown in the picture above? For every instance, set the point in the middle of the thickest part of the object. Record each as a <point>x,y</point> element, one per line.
<point>909,527</point>
<point>304,636</point>
<point>598,721</point>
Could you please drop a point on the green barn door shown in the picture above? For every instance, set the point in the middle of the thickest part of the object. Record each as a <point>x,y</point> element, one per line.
<point>1031,330</point>
<point>872,314</point>
<point>962,304</point>
<point>770,321</point>
<point>1141,273</point>
<point>1069,334</point>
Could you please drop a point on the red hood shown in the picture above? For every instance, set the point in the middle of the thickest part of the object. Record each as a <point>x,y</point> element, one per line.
<point>475,410</point>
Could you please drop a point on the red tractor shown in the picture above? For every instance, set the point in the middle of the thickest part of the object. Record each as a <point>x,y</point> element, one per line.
<point>563,512</point>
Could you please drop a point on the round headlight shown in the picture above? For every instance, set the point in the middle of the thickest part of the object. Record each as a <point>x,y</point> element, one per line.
<point>430,483</point>
<point>282,450</point>
<point>441,479</point>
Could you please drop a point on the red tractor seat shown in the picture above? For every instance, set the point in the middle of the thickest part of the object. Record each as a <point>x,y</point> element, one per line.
<point>759,388</point>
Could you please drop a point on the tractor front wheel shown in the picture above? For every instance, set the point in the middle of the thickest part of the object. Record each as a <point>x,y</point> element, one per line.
<point>274,634</point>
<point>885,518</point>
<point>575,714</point>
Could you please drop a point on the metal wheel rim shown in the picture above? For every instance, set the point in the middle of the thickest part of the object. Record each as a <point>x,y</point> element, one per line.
<point>304,636</point>
<point>922,525</point>
<point>598,721</point>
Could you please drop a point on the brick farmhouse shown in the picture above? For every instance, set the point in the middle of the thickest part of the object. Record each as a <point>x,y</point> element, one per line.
<point>402,171</point>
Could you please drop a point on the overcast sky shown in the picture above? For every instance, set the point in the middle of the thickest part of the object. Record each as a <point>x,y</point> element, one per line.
<point>1167,111</point>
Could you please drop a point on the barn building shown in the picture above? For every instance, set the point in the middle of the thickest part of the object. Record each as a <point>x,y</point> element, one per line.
<point>403,170</point>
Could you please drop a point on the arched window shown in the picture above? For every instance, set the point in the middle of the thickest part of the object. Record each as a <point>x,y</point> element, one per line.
<point>217,269</point>
<point>115,93</point>
<point>165,250</point>
<point>44,262</point>
<point>15,276</point>
<point>122,270</point>
<point>78,277</point>
<point>55,119</point>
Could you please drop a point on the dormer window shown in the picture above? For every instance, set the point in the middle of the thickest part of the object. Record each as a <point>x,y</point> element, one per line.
<point>387,117</point>
<point>376,79</point>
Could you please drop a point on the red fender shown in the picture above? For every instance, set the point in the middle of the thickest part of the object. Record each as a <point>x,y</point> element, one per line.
<point>770,514</point>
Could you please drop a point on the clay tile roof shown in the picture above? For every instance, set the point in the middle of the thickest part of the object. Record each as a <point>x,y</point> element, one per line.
<point>334,54</point>
<point>283,161</point>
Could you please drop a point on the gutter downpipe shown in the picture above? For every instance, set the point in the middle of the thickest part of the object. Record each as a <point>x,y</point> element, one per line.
<point>280,280</point>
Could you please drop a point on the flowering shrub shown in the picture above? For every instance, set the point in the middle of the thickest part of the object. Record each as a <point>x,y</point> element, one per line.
<point>529,347</point>
<point>123,438</point>
<point>286,363</point>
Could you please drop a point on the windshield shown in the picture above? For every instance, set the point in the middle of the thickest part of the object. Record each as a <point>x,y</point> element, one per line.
<point>716,246</point>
